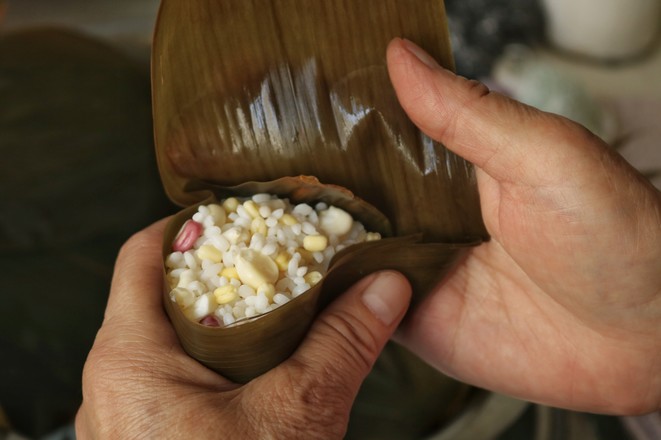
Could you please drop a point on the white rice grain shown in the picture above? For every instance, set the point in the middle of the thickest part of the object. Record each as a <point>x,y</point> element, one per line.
<point>191,261</point>
<point>299,281</point>
<point>228,319</point>
<point>309,229</point>
<point>271,222</point>
<point>246,291</point>
<point>264,211</point>
<point>242,213</point>
<point>230,233</point>
<point>269,249</point>
<point>299,289</point>
<point>302,209</point>
<point>261,303</point>
<point>261,198</point>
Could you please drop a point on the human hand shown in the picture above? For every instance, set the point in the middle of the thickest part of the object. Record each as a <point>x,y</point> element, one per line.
<point>139,383</point>
<point>563,305</point>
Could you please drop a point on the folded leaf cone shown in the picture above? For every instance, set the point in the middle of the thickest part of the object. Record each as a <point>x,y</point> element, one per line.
<point>292,97</point>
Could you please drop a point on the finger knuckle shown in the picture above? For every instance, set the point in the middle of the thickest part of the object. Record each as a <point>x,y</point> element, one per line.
<point>473,94</point>
<point>136,244</point>
<point>358,345</point>
<point>318,407</point>
<point>305,407</point>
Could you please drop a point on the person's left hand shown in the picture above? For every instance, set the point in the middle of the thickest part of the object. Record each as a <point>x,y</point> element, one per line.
<point>139,383</point>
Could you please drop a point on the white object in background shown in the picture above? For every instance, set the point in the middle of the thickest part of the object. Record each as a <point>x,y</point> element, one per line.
<point>605,29</point>
<point>521,74</point>
<point>643,427</point>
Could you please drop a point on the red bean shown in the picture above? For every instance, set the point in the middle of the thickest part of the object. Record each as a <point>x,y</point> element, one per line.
<point>210,321</point>
<point>187,236</point>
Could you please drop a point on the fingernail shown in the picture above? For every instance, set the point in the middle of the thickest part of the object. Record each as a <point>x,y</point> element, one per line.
<point>386,297</point>
<point>420,54</point>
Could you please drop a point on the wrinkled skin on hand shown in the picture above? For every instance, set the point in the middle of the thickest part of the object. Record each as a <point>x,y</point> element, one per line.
<point>563,305</point>
<point>139,383</point>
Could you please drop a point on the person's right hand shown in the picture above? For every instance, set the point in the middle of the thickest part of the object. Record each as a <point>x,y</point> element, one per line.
<point>563,305</point>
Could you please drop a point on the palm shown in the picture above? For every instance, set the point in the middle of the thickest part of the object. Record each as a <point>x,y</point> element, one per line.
<point>518,315</point>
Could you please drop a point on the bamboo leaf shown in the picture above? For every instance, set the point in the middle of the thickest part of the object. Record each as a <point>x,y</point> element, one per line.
<point>251,96</point>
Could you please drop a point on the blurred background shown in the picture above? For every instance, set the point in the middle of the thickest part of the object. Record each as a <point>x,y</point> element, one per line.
<point>78,174</point>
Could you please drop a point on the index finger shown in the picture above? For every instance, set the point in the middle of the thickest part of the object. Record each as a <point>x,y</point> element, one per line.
<point>137,281</point>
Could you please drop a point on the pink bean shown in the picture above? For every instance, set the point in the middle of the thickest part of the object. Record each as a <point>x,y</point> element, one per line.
<point>187,236</point>
<point>210,321</point>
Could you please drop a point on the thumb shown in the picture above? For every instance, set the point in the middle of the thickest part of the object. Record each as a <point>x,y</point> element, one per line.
<point>348,336</point>
<point>508,140</point>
